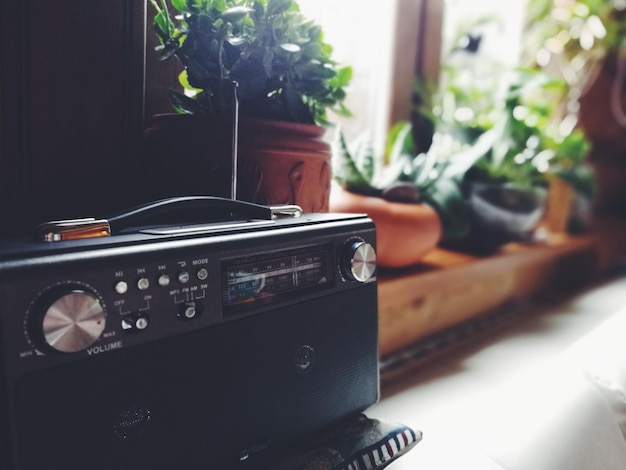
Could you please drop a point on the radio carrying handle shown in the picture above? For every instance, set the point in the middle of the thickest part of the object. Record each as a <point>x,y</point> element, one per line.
<point>196,210</point>
<point>176,210</point>
<point>171,211</point>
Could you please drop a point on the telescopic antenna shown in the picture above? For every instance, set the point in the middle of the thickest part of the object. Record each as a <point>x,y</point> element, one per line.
<point>235,140</point>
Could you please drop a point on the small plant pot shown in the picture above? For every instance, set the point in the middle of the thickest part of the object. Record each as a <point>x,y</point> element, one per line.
<point>560,206</point>
<point>404,232</point>
<point>499,214</point>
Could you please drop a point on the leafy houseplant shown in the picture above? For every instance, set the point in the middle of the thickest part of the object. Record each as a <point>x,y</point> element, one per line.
<point>508,146</point>
<point>279,59</point>
<point>572,40</point>
<point>583,42</point>
<point>537,145</point>
<point>572,184</point>
<point>286,82</point>
<point>496,147</point>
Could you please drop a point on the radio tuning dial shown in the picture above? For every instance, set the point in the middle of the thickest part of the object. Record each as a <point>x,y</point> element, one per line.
<point>73,321</point>
<point>359,260</point>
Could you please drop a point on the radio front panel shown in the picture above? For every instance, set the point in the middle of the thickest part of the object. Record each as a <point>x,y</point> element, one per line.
<point>115,302</point>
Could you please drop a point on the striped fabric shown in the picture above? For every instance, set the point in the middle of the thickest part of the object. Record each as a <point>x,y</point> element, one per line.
<point>385,451</point>
<point>358,443</point>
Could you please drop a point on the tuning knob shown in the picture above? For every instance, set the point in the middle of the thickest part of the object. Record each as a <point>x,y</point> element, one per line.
<point>73,321</point>
<point>359,261</point>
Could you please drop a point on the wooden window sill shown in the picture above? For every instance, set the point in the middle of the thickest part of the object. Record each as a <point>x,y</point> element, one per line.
<point>449,289</point>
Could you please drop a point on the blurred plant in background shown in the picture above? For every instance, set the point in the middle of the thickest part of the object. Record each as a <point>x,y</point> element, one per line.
<point>504,130</point>
<point>570,39</point>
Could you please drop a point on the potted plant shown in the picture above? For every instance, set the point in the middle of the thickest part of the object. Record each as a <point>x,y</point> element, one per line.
<point>484,174</point>
<point>495,146</point>
<point>528,130</point>
<point>572,184</point>
<point>407,195</point>
<point>540,148</point>
<point>582,43</point>
<point>286,82</point>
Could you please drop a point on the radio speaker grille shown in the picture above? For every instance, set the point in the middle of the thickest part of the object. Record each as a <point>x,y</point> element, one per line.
<point>207,399</point>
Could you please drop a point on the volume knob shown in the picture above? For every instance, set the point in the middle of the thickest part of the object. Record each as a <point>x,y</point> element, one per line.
<point>73,321</point>
<point>359,261</point>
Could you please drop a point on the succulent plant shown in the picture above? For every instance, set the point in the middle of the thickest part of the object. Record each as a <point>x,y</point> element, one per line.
<point>405,177</point>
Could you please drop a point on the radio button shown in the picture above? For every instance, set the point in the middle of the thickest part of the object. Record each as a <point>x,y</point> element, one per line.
<point>359,261</point>
<point>121,287</point>
<point>164,280</point>
<point>132,323</point>
<point>141,323</point>
<point>73,322</point>
<point>143,283</point>
<point>202,274</point>
<point>183,277</point>
<point>190,310</point>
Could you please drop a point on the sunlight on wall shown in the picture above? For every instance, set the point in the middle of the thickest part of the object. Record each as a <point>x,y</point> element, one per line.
<point>362,37</point>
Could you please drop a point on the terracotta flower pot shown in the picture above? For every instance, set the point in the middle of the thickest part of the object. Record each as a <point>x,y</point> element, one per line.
<point>560,204</point>
<point>284,163</point>
<point>278,162</point>
<point>404,232</point>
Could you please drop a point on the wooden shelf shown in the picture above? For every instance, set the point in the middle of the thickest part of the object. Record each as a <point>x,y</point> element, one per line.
<point>448,288</point>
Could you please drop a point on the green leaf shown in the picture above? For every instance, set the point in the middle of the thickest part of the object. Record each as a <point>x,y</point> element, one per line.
<point>236,14</point>
<point>342,110</point>
<point>183,79</point>
<point>162,26</point>
<point>288,47</point>
<point>339,94</point>
<point>364,158</point>
<point>218,5</point>
<point>400,144</point>
<point>236,41</point>
<point>346,171</point>
<point>277,7</point>
<point>446,198</point>
<point>344,77</point>
<point>312,50</point>
<point>180,5</point>
<point>574,148</point>
<point>166,50</point>
<point>183,104</point>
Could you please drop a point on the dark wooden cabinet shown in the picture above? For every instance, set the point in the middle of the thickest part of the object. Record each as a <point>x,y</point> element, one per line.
<point>72,108</point>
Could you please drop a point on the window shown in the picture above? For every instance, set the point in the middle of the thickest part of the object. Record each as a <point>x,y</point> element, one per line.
<point>499,23</point>
<point>362,35</point>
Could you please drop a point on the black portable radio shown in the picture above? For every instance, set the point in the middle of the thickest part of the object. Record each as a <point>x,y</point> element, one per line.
<point>187,345</point>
